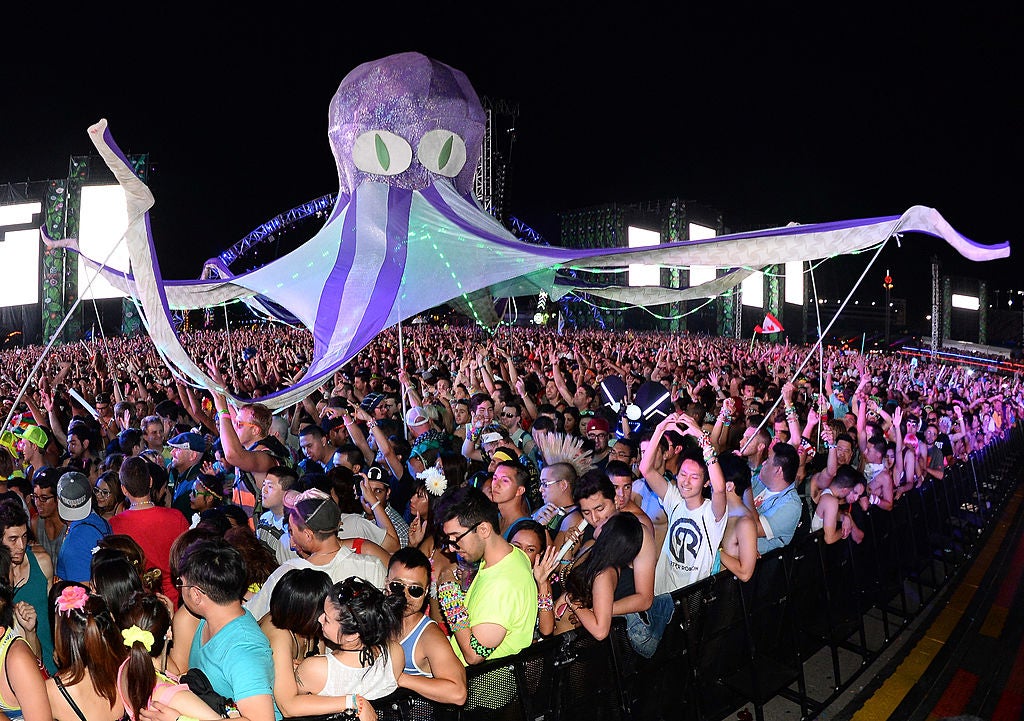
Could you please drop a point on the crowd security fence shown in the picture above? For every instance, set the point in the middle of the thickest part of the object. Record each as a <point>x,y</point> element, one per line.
<point>732,644</point>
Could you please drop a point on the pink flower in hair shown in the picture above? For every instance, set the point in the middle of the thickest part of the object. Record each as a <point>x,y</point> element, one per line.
<point>72,597</point>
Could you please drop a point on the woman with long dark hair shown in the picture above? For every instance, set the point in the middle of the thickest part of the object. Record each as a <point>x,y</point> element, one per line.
<point>88,651</point>
<point>294,634</point>
<point>590,586</point>
<point>109,497</point>
<point>115,578</point>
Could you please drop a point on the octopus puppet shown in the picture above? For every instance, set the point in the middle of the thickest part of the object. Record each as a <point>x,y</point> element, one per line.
<point>406,233</point>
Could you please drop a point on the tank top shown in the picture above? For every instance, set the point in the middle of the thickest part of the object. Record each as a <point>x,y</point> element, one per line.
<point>164,690</point>
<point>409,646</point>
<point>50,546</point>
<point>625,586</point>
<point>817,522</point>
<point>373,682</point>
<point>33,592</point>
<point>9,637</point>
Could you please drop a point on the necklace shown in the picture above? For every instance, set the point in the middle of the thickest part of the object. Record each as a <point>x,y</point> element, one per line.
<point>324,553</point>
<point>141,504</point>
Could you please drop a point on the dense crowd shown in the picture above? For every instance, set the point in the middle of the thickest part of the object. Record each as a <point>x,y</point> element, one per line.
<point>447,498</point>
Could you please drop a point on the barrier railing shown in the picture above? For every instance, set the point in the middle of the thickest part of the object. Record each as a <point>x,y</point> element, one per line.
<point>731,644</point>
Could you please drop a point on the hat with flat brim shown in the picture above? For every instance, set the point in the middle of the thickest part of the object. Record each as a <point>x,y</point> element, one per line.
<point>74,496</point>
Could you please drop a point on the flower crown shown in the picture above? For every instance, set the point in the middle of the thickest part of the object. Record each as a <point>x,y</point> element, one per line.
<point>72,597</point>
<point>434,480</point>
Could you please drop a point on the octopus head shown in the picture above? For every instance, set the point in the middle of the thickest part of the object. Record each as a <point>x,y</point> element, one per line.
<point>406,120</point>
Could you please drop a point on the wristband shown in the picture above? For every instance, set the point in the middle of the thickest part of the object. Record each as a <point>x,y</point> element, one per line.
<point>545,602</point>
<point>374,506</point>
<point>371,424</point>
<point>478,648</point>
<point>221,414</point>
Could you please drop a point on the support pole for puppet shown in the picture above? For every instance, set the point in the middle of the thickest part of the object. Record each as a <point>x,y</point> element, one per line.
<point>821,348</point>
<point>401,366</point>
<point>60,329</point>
<point>796,372</point>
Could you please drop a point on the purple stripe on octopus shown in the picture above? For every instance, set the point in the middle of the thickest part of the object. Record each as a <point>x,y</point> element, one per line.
<point>389,277</point>
<point>329,307</point>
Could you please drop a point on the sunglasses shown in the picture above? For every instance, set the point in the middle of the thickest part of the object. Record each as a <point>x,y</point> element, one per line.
<point>454,542</point>
<point>352,588</point>
<point>412,589</point>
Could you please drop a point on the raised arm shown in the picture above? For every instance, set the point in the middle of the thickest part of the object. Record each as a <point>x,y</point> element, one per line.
<point>652,463</point>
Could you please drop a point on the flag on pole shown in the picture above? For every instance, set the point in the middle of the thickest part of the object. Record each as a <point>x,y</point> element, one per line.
<point>770,324</point>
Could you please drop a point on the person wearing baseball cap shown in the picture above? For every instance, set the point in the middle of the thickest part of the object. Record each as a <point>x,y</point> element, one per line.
<point>313,520</point>
<point>187,454</point>
<point>85,527</point>
<point>596,430</point>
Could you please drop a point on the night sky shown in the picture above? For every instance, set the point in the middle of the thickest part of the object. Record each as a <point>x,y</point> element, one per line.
<point>770,114</point>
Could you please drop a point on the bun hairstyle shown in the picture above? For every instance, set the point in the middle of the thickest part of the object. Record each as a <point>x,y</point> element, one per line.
<point>86,635</point>
<point>144,612</point>
<point>364,610</point>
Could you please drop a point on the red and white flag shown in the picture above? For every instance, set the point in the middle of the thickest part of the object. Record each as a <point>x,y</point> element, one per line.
<point>770,324</point>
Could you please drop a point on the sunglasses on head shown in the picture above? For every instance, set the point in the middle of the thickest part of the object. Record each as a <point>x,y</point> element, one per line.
<point>351,588</point>
<point>414,590</point>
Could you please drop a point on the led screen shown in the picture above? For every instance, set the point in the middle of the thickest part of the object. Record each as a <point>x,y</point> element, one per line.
<point>643,274</point>
<point>967,302</point>
<point>795,282</point>
<point>19,256</point>
<point>103,221</point>
<point>752,290</point>
<point>701,273</point>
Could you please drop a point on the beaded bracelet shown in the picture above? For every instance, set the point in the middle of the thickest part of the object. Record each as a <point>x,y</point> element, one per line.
<point>478,648</point>
<point>790,412</point>
<point>452,602</point>
<point>545,602</point>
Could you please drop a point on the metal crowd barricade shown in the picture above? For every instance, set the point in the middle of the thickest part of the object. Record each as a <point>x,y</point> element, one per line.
<point>730,644</point>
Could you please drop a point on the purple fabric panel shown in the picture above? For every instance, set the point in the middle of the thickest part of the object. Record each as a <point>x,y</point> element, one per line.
<point>328,308</point>
<point>389,278</point>
<point>340,204</point>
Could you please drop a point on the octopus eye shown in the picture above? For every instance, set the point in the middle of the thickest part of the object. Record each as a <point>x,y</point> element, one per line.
<point>381,153</point>
<point>442,152</point>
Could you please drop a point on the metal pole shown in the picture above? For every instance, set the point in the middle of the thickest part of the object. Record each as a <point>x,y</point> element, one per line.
<point>936,307</point>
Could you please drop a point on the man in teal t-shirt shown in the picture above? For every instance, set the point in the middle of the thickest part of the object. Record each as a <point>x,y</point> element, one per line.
<point>228,645</point>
